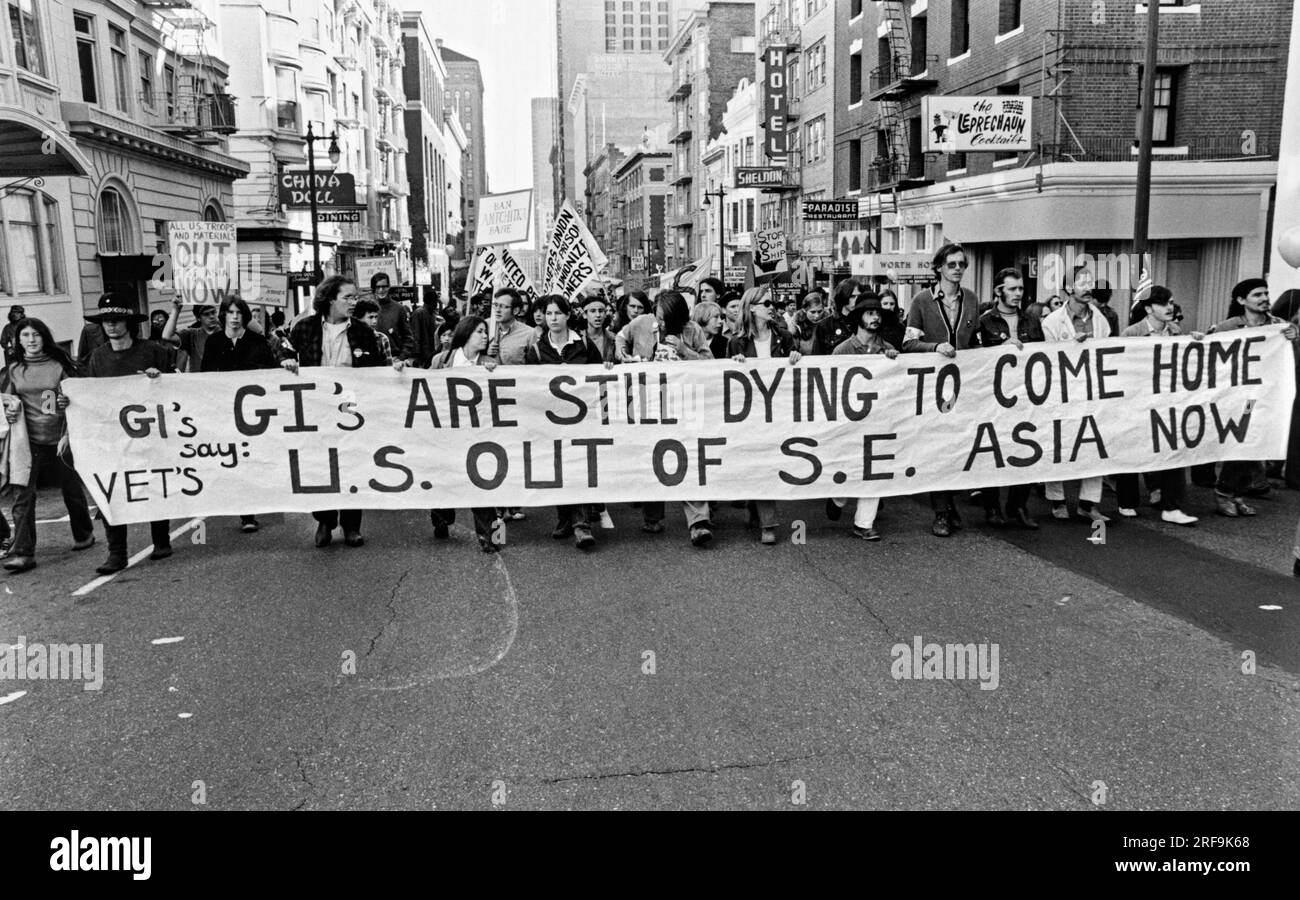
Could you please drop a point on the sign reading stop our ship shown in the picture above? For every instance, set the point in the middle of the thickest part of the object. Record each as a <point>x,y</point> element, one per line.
<point>334,190</point>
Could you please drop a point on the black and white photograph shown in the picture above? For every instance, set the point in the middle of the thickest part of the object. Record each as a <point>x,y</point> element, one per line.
<point>875,406</point>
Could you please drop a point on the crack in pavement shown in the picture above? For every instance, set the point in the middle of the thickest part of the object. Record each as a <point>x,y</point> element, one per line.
<point>391,606</point>
<point>690,770</point>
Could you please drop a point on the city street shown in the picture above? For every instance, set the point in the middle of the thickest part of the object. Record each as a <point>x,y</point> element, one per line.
<point>523,679</point>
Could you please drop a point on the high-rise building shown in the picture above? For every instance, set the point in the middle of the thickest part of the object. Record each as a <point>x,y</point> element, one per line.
<point>424,80</point>
<point>545,122</point>
<point>590,28</point>
<point>641,191</point>
<point>1070,199</point>
<point>465,95</point>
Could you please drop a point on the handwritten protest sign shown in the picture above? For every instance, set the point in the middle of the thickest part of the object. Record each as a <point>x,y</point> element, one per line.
<point>572,257</point>
<point>369,266</point>
<point>769,254</point>
<point>480,270</point>
<point>255,442</point>
<point>203,265</point>
<point>508,273</point>
<point>504,218</point>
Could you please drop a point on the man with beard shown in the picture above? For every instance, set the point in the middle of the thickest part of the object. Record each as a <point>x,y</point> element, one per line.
<point>1006,323</point>
<point>1078,319</point>
<point>865,317</point>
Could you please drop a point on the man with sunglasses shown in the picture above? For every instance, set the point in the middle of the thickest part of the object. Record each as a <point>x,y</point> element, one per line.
<point>943,320</point>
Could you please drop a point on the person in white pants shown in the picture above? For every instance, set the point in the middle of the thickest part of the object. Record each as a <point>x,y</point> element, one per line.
<point>1079,319</point>
<point>865,319</point>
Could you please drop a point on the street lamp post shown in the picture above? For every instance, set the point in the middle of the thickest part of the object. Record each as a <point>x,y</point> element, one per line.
<point>722,224</point>
<point>312,138</point>
<point>649,243</point>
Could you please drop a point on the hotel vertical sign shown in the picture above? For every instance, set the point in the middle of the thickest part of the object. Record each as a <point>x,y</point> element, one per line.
<point>775,98</point>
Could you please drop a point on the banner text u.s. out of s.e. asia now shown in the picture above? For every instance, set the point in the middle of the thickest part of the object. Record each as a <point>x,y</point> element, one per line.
<point>265,441</point>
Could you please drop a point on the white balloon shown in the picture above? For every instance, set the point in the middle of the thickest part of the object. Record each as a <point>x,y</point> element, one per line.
<point>1289,246</point>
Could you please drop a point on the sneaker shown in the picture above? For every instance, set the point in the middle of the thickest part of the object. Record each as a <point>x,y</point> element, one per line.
<point>353,539</point>
<point>248,525</point>
<point>605,521</point>
<point>866,534</point>
<point>583,539</point>
<point>1155,497</point>
<point>769,536</point>
<point>1177,517</point>
<point>652,527</point>
<point>1225,506</point>
<point>833,510</point>
<point>16,564</point>
<point>700,535</point>
<point>516,515</point>
<point>941,528</point>
<point>1127,512</point>
<point>1243,508</point>
<point>84,544</point>
<point>1060,510</point>
<point>1092,514</point>
<point>161,552</point>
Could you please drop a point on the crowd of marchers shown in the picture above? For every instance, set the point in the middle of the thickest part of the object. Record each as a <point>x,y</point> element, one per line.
<point>343,328</point>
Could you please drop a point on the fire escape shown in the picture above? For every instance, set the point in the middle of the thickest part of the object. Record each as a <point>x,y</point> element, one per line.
<point>902,74</point>
<point>192,104</point>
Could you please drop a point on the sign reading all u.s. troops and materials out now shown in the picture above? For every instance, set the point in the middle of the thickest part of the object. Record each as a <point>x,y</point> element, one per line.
<point>202,260</point>
<point>994,124</point>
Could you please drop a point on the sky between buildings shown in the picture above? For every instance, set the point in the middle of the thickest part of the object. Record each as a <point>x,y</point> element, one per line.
<point>514,42</point>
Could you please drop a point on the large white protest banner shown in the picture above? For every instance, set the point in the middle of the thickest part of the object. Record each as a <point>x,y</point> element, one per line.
<point>508,273</point>
<point>572,257</point>
<point>262,441</point>
<point>202,264</point>
<point>504,218</point>
<point>480,270</point>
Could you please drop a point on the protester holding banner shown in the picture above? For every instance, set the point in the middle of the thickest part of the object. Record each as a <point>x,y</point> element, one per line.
<point>1007,323</point>
<point>1158,304</point>
<point>236,348</point>
<point>468,348</point>
<point>1249,308</point>
<point>394,321</point>
<point>602,346</point>
<point>126,355</point>
<point>836,329</point>
<point>866,317</point>
<point>758,336</point>
<point>331,337</point>
<point>1078,319</point>
<point>803,330</point>
<point>33,383</point>
<point>561,345</point>
<point>942,320</point>
<point>643,339</point>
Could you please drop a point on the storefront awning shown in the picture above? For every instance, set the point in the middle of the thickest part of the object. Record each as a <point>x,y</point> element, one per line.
<point>30,147</point>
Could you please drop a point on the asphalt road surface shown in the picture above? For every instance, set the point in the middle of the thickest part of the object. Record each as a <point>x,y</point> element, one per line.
<point>525,679</point>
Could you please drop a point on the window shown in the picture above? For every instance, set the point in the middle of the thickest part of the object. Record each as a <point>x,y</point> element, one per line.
<point>956,162</point>
<point>816,66</point>
<point>286,92</point>
<point>855,77</point>
<point>84,27</point>
<point>1162,120</point>
<point>169,87</point>
<point>855,165</point>
<point>815,140</point>
<point>113,224</point>
<point>960,27</point>
<point>212,213</point>
<point>855,9</point>
<point>920,49</point>
<point>1008,15</point>
<point>812,7</point>
<point>25,27</point>
<point>146,78</point>
<point>117,44</point>
<point>743,44</point>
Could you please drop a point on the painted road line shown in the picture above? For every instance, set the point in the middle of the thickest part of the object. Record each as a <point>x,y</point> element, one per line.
<point>143,554</point>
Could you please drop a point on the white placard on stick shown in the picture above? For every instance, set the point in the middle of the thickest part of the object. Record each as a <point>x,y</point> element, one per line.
<point>203,261</point>
<point>504,218</point>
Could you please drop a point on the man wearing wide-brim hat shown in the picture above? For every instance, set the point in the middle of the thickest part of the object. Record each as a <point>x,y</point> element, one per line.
<point>865,318</point>
<point>124,354</point>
